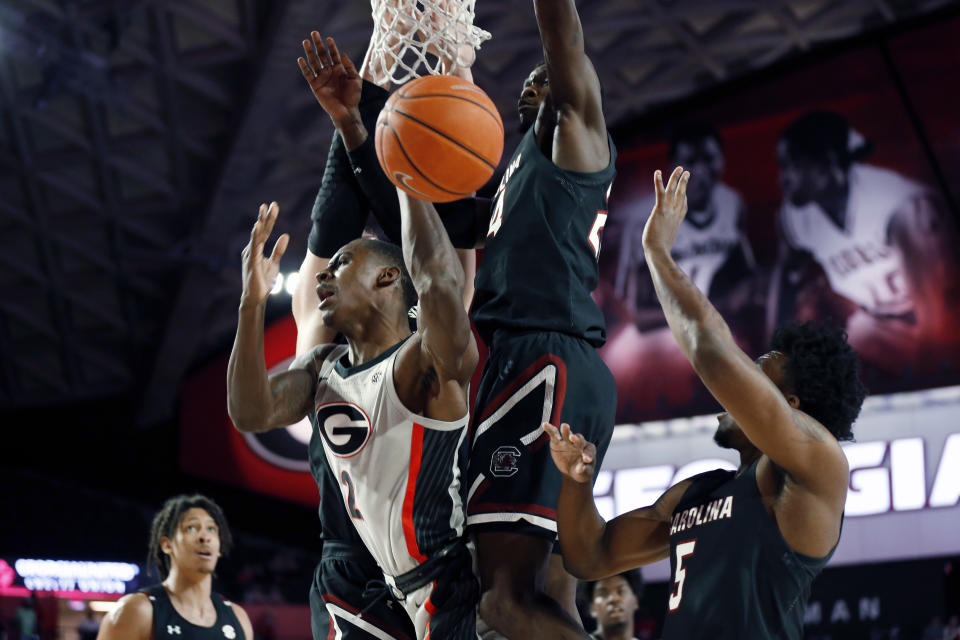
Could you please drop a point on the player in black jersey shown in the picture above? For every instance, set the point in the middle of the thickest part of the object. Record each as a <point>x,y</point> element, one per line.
<point>188,537</point>
<point>744,546</point>
<point>534,311</point>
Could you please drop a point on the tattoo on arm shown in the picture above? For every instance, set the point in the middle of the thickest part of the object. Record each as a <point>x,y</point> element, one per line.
<point>807,426</point>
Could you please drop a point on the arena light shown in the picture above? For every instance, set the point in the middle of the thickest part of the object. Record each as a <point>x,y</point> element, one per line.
<point>291,281</point>
<point>69,575</point>
<point>102,606</point>
<point>277,285</point>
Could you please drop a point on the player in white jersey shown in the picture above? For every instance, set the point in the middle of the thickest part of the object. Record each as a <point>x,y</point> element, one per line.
<point>390,406</point>
<point>711,246</point>
<point>880,239</point>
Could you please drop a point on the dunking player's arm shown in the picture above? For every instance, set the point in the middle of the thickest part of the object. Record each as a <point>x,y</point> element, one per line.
<point>436,365</point>
<point>254,401</point>
<point>809,508</point>
<point>580,138</point>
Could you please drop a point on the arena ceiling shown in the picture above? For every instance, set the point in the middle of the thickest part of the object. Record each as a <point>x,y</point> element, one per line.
<point>138,137</point>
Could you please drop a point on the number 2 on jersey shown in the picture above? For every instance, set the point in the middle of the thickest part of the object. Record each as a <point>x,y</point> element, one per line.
<point>351,495</point>
<point>684,549</point>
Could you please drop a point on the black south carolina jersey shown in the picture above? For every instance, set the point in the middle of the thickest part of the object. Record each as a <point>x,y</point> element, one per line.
<point>540,261</point>
<point>734,576</point>
<point>168,624</point>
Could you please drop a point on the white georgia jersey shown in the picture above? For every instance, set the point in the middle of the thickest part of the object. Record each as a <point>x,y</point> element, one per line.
<point>400,473</point>
<point>858,261</point>
<point>699,250</point>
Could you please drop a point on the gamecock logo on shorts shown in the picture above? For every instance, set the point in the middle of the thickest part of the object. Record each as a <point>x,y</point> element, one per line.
<point>503,464</point>
<point>344,427</point>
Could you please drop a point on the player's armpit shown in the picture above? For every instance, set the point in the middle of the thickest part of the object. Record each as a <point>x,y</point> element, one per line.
<point>132,619</point>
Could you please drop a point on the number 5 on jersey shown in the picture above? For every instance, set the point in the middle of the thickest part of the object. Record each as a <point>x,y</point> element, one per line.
<point>684,549</point>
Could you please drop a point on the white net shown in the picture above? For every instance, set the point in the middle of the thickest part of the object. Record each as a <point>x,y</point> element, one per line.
<point>413,38</point>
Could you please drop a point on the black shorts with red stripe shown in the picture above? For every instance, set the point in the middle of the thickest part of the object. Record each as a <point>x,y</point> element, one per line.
<point>529,378</point>
<point>343,606</point>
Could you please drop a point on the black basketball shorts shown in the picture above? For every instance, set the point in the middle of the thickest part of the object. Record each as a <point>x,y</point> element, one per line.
<point>337,593</point>
<point>531,378</point>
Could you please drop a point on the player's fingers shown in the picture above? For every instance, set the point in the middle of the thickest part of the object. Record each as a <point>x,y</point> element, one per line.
<point>674,180</point>
<point>565,431</point>
<point>279,248</point>
<point>311,55</point>
<point>333,51</point>
<point>658,184</point>
<point>552,431</point>
<point>270,219</point>
<point>305,69</point>
<point>321,49</point>
<point>589,452</point>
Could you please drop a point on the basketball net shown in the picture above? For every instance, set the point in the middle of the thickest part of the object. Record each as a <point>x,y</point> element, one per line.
<point>412,38</point>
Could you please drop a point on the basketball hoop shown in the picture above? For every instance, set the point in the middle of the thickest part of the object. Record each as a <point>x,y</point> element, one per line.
<point>413,38</point>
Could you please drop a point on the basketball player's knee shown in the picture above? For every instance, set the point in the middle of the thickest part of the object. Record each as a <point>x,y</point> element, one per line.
<point>502,607</point>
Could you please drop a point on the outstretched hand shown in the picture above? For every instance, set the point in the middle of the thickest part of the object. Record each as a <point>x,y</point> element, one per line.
<point>668,212</point>
<point>574,456</point>
<point>260,272</point>
<point>332,77</point>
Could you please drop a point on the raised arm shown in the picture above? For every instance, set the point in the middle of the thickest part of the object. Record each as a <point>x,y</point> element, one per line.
<point>254,401</point>
<point>792,439</point>
<point>574,88</point>
<point>446,340</point>
<point>593,548</point>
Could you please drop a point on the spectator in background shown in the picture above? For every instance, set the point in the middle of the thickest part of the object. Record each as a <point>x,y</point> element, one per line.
<point>26,618</point>
<point>952,630</point>
<point>613,603</point>
<point>88,629</point>
<point>934,630</point>
<point>862,244</point>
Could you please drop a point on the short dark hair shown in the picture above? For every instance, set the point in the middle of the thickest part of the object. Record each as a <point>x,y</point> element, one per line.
<point>167,520</point>
<point>819,135</point>
<point>691,132</point>
<point>823,370</point>
<point>392,256</point>
<point>633,577</point>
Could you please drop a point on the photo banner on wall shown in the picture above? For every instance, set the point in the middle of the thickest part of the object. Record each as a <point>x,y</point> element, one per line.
<point>820,194</point>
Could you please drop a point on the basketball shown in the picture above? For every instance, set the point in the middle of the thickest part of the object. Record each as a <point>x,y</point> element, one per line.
<point>439,138</point>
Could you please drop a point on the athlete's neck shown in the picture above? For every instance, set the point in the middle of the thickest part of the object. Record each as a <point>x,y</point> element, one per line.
<point>189,589</point>
<point>748,455</point>
<point>375,336</point>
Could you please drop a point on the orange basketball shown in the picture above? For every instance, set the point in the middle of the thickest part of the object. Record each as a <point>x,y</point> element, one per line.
<point>439,138</point>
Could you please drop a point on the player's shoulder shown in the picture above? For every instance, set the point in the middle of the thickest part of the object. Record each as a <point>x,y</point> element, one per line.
<point>131,619</point>
<point>242,616</point>
<point>313,359</point>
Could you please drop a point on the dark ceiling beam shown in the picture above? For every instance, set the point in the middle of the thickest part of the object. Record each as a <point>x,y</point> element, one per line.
<point>670,21</point>
<point>37,207</point>
<point>275,77</point>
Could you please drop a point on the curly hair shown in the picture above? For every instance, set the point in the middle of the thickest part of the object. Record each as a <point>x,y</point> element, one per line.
<point>823,370</point>
<point>167,520</point>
